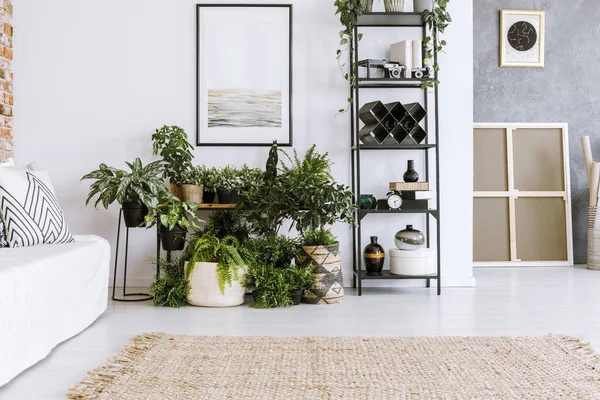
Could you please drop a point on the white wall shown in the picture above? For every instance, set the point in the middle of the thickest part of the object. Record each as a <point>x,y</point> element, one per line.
<point>94,79</point>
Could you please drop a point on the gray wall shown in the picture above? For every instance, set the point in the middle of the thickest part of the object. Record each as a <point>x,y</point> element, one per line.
<point>566,90</point>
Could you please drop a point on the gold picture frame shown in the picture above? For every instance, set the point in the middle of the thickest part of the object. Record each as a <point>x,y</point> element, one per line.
<point>522,38</point>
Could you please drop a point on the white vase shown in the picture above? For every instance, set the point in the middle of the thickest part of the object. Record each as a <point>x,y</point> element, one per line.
<point>394,5</point>
<point>422,5</point>
<point>204,288</point>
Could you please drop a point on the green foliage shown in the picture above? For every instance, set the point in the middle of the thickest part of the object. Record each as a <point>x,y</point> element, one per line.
<point>171,287</point>
<point>172,144</point>
<point>172,212</point>
<point>249,177</point>
<point>316,199</point>
<point>229,223</point>
<point>349,11</point>
<point>209,248</point>
<point>437,20</point>
<point>272,161</point>
<point>192,176</point>
<point>318,237</point>
<point>140,185</point>
<point>207,177</point>
<point>227,178</point>
<point>276,250</point>
<point>274,285</point>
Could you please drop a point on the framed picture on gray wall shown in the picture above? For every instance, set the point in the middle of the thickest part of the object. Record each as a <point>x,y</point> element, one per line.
<point>244,74</point>
<point>522,38</point>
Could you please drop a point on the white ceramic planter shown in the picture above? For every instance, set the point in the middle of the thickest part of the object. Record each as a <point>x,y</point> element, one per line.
<point>394,5</point>
<point>204,288</point>
<point>422,5</point>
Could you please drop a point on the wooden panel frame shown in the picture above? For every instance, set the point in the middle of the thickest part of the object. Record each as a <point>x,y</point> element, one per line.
<point>512,194</point>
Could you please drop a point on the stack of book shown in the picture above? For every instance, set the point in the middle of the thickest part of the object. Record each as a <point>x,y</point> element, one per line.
<point>415,196</point>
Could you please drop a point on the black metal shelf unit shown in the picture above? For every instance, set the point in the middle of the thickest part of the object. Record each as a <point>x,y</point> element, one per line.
<point>396,20</point>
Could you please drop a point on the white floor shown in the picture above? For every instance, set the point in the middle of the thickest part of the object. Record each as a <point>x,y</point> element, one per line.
<point>517,301</point>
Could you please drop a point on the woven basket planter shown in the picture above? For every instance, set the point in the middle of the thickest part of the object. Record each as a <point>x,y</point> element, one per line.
<point>329,285</point>
<point>593,239</point>
<point>394,5</point>
<point>177,191</point>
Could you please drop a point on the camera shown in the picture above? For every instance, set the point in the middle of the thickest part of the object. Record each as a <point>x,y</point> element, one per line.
<point>420,73</point>
<point>394,70</point>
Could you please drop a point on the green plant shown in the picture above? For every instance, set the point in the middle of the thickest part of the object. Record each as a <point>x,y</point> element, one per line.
<point>225,223</point>
<point>191,177</point>
<point>318,237</point>
<point>172,144</point>
<point>209,248</point>
<point>274,286</point>
<point>207,177</point>
<point>316,199</point>
<point>349,11</point>
<point>300,276</point>
<point>170,288</point>
<point>275,250</point>
<point>437,20</point>
<point>227,178</point>
<point>172,212</point>
<point>249,177</point>
<point>140,185</point>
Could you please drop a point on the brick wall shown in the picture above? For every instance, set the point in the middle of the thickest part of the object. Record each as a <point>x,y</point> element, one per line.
<point>6,80</point>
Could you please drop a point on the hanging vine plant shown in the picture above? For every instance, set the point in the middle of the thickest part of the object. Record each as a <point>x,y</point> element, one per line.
<point>437,20</point>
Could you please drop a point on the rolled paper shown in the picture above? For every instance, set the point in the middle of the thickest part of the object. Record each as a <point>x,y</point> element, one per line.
<point>595,176</point>
<point>587,157</point>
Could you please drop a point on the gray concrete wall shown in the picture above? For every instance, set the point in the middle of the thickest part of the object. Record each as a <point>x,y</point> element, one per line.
<point>566,90</point>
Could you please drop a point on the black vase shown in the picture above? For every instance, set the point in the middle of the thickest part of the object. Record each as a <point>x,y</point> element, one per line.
<point>208,197</point>
<point>225,196</point>
<point>173,239</point>
<point>134,214</point>
<point>411,175</point>
<point>374,257</point>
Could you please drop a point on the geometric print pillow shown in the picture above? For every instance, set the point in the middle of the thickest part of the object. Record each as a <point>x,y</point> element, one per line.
<point>30,210</point>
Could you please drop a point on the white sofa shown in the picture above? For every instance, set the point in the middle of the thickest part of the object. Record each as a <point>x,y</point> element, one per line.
<point>48,294</point>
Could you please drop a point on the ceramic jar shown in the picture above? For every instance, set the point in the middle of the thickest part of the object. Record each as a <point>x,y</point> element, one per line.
<point>422,5</point>
<point>374,257</point>
<point>410,239</point>
<point>411,175</point>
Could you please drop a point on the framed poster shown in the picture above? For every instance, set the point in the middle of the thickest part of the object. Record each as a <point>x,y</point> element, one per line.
<point>244,74</point>
<point>522,38</point>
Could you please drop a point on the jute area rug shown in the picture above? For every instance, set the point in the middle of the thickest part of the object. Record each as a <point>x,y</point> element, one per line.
<point>162,366</point>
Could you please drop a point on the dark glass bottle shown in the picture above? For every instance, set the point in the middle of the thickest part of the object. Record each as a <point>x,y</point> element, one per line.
<point>411,175</point>
<point>374,257</point>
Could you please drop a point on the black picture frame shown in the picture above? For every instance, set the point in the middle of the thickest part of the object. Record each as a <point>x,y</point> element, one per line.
<point>268,143</point>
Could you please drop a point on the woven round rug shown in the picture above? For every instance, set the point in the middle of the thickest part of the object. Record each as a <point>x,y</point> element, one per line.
<point>163,366</point>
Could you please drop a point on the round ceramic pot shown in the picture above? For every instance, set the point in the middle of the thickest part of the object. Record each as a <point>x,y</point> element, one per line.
<point>374,257</point>
<point>173,239</point>
<point>192,193</point>
<point>177,191</point>
<point>208,197</point>
<point>368,202</point>
<point>205,291</point>
<point>225,196</point>
<point>329,285</point>
<point>394,5</point>
<point>422,5</point>
<point>134,214</point>
<point>409,239</point>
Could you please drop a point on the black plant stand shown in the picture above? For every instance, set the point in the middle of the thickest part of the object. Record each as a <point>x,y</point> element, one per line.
<point>124,298</point>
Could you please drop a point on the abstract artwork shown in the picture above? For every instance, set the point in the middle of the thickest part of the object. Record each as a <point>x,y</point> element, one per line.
<point>522,38</point>
<point>244,75</point>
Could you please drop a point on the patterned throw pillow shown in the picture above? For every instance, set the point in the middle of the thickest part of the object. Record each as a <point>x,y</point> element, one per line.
<point>30,210</point>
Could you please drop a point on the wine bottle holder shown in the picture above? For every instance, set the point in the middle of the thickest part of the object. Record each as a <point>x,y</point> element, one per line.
<point>392,123</point>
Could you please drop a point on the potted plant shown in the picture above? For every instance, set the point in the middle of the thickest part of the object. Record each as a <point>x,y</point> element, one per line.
<point>215,271</point>
<point>172,144</point>
<point>174,218</point>
<point>278,287</point>
<point>208,178</point>
<point>317,203</point>
<point>170,288</point>
<point>229,223</point>
<point>134,190</point>
<point>227,182</point>
<point>192,187</point>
